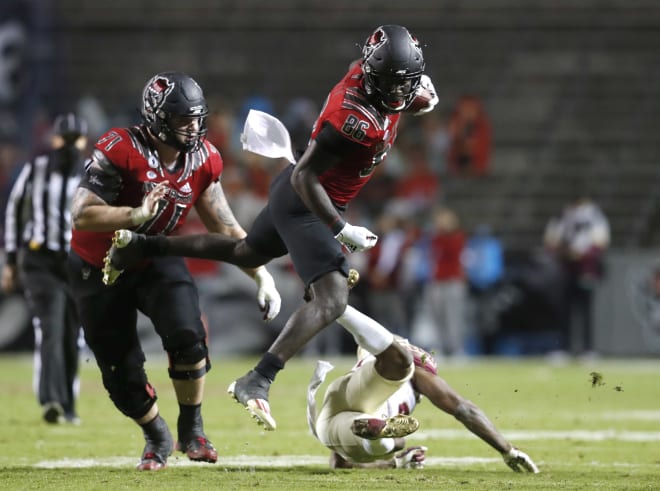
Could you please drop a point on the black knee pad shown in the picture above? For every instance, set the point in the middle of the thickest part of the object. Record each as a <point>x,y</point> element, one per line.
<point>189,356</point>
<point>129,389</point>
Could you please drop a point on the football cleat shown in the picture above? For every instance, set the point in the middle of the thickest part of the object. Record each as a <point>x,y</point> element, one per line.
<point>394,427</point>
<point>124,253</point>
<point>251,390</point>
<point>199,449</point>
<point>156,451</point>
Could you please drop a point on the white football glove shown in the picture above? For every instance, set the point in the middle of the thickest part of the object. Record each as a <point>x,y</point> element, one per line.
<point>356,239</point>
<point>518,461</point>
<point>268,297</point>
<point>426,83</point>
<point>410,458</point>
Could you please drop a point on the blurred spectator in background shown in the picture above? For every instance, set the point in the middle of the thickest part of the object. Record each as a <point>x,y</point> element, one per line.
<point>470,138</point>
<point>220,127</point>
<point>16,41</point>
<point>484,259</point>
<point>435,139</point>
<point>644,299</point>
<point>445,294</point>
<point>419,186</point>
<point>10,154</point>
<point>385,302</point>
<point>299,118</point>
<point>579,239</point>
<point>484,268</point>
<point>37,236</point>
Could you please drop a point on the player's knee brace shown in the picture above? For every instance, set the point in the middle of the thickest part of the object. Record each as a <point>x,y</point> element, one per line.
<point>129,390</point>
<point>191,355</point>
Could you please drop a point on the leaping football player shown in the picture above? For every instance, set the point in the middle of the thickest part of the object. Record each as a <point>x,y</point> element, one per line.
<point>304,215</point>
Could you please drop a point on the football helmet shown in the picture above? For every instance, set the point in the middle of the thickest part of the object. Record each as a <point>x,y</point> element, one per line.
<point>168,99</point>
<point>392,63</point>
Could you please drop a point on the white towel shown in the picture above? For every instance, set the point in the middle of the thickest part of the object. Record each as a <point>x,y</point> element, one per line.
<point>266,135</point>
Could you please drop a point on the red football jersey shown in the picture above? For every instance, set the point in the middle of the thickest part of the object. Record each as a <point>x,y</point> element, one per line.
<point>349,111</point>
<point>140,169</point>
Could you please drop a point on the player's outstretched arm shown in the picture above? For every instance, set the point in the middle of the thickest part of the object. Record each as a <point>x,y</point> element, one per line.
<point>90,211</point>
<point>474,419</point>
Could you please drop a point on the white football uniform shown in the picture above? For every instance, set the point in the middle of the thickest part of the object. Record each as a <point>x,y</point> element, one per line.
<point>361,393</point>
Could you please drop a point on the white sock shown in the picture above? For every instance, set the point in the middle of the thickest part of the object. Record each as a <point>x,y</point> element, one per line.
<point>367,332</point>
<point>378,448</point>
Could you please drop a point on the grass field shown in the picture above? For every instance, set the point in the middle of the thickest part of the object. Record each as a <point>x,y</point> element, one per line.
<point>582,436</point>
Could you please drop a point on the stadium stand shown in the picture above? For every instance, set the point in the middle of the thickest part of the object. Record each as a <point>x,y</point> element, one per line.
<point>570,87</point>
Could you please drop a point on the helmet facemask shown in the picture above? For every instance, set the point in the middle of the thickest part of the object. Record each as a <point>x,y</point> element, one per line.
<point>177,131</point>
<point>394,93</point>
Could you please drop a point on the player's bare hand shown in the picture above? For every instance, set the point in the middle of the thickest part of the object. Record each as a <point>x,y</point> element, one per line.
<point>519,461</point>
<point>149,206</point>
<point>356,239</point>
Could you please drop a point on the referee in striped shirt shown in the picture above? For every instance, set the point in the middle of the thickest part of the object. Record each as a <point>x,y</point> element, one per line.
<point>37,236</point>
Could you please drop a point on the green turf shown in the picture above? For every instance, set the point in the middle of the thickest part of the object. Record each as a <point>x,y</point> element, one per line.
<point>522,397</point>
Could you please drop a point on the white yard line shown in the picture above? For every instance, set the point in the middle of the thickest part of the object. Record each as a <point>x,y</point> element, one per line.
<point>520,435</point>
<point>249,461</point>
<point>253,461</point>
<point>632,415</point>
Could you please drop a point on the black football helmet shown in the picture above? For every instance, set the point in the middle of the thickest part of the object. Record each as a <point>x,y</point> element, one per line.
<point>169,95</point>
<point>393,64</point>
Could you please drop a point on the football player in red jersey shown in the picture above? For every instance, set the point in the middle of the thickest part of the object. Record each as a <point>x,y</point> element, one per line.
<point>147,178</point>
<point>303,217</point>
<point>366,413</point>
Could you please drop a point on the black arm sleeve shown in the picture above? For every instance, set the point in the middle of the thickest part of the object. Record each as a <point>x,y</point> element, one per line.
<point>101,177</point>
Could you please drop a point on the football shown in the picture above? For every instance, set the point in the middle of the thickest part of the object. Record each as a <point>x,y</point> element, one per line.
<point>421,101</point>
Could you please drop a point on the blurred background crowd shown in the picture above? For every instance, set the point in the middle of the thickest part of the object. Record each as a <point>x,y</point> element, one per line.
<point>520,217</point>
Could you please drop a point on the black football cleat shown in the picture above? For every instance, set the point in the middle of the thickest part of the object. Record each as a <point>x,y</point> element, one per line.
<point>251,390</point>
<point>157,450</point>
<point>199,449</point>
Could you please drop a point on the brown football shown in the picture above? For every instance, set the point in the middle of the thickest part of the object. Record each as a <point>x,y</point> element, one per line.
<point>420,101</point>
